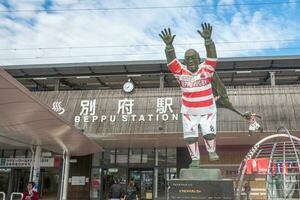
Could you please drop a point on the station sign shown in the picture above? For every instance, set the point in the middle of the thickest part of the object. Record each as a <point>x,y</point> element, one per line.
<point>26,162</point>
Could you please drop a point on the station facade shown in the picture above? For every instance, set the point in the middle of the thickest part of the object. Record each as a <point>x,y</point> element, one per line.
<point>141,133</point>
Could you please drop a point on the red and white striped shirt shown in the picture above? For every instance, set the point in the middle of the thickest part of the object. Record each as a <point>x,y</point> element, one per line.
<point>197,94</point>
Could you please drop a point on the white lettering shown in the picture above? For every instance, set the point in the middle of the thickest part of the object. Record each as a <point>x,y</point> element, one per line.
<point>165,117</point>
<point>150,117</point>
<point>142,118</point>
<point>94,118</point>
<point>77,119</point>
<point>112,118</point>
<point>125,106</point>
<point>163,105</point>
<point>88,107</point>
<point>133,117</point>
<point>86,118</point>
<point>175,117</point>
<point>124,118</point>
<point>103,118</point>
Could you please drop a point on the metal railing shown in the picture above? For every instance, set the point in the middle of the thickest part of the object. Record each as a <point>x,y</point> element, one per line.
<point>3,195</point>
<point>16,194</point>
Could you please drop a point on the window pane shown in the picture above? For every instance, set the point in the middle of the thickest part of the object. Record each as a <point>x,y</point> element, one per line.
<point>8,154</point>
<point>161,184</point>
<point>20,153</point>
<point>109,157</point>
<point>171,157</point>
<point>148,156</point>
<point>95,184</point>
<point>162,156</point>
<point>122,156</point>
<point>135,156</point>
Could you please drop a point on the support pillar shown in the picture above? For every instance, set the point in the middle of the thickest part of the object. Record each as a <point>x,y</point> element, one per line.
<point>155,174</point>
<point>272,77</point>
<point>65,176</point>
<point>57,85</point>
<point>161,81</point>
<point>31,164</point>
<point>37,166</point>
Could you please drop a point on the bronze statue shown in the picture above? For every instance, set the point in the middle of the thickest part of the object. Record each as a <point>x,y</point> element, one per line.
<point>202,91</point>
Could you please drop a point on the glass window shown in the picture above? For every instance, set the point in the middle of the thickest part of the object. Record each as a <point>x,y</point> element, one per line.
<point>20,153</point>
<point>29,154</point>
<point>95,184</point>
<point>171,156</point>
<point>161,183</point>
<point>4,179</point>
<point>135,156</point>
<point>122,156</point>
<point>162,156</point>
<point>109,157</point>
<point>148,156</point>
<point>8,154</point>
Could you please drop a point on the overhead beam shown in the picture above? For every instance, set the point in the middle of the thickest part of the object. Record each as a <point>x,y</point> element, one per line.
<point>44,87</point>
<point>67,83</point>
<point>98,78</point>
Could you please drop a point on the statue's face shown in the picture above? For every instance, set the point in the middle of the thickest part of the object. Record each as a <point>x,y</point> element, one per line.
<point>192,60</point>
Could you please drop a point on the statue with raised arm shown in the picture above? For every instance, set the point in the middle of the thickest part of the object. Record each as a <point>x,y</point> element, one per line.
<point>202,90</point>
<point>198,103</point>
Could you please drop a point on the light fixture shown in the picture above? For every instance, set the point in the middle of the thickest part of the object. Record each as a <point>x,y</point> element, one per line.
<point>243,72</point>
<point>40,78</point>
<point>79,77</point>
<point>134,75</point>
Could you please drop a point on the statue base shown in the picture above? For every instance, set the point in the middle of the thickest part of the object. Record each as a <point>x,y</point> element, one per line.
<point>200,184</point>
<point>200,174</point>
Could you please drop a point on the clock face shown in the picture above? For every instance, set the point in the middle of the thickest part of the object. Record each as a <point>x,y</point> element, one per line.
<point>128,86</point>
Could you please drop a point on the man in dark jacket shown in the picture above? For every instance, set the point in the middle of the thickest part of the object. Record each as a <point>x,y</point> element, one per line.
<point>116,190</point>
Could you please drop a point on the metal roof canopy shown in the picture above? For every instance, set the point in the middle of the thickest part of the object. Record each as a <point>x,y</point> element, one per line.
<point>112,75</point>
<point>25,121</point>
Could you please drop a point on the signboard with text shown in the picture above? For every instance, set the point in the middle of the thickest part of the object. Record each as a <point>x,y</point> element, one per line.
<point>113,112</point>
<point>200,190</point>
<point>25,162</point>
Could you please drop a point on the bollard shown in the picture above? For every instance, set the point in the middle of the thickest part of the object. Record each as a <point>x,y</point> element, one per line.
<point>16,194</point>
<point>3,195</point>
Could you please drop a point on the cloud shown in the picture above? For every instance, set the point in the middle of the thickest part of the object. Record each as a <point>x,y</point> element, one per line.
<point>129,28</point>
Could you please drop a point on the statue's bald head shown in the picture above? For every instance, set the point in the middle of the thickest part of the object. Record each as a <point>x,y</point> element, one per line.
<point>192,60</point>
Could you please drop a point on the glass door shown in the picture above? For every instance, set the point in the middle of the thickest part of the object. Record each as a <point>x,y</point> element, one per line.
<point>143,179</point>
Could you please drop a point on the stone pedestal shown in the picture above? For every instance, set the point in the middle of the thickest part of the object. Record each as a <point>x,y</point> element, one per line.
<point>200,184</point>
<point>200,174</point>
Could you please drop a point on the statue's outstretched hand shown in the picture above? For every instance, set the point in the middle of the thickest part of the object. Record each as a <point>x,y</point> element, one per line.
<point>206,31</point>
<point>167,36</point>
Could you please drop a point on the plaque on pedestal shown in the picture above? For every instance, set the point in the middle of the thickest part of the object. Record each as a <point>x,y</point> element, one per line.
<point>200,189</point>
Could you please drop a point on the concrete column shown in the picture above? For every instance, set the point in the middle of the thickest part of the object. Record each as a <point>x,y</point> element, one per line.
<point>31,164</point>
<point>161,81</point>
<point>155,174</point>
<point>57,85</point>
<point>272,78</point>
<point>37,166</point>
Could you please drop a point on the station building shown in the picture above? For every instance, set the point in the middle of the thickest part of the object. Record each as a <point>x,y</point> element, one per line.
<point>132,110</point>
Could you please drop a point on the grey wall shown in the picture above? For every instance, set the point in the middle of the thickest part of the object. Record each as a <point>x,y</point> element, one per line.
<point>278,106</point>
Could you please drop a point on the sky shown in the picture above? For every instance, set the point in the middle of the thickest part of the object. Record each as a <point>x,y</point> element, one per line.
<point>68,31</point>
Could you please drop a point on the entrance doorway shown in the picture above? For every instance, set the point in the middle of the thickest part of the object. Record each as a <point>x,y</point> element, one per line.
<point>15,180</point>
<point>143,179</point>
<point>107,176</point>
<point>49,179</point>
<point>4,180</point>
